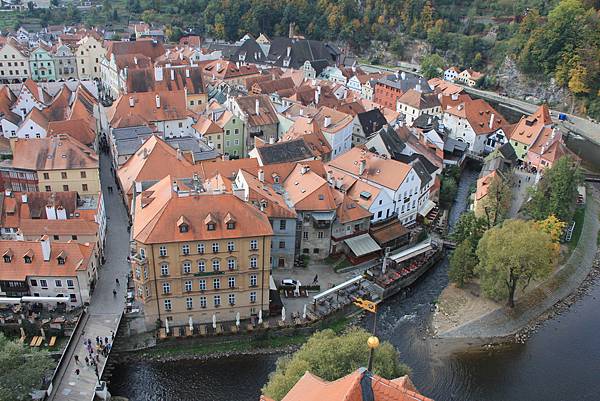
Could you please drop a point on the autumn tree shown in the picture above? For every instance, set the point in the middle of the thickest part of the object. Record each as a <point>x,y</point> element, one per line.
<point>511,255</point>
<point>556,192</point>
<point>332,356</point>
<point>498,199</point>
<point>22,369</point>
<point>462,263</point>
<point>552,226</point>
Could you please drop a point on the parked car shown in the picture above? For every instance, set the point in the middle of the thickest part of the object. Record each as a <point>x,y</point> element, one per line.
<point>290,282</point>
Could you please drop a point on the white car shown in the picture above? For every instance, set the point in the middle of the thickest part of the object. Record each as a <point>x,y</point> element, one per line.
<point>291,282</point>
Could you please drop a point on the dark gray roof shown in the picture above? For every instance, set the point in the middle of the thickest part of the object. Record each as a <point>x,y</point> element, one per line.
<point>508,152</point>
<point>249,52</point>
<point>347,60</point>
<point>421,171</point>
<point>405,81</point>
<point>226,49</point>
<point>319,65</point>
<point>392,142</point>
<point>300,51</point>
<point>200,150</point>
<point>452,145</point>
<point>289,151</point>
<point>371,121</point>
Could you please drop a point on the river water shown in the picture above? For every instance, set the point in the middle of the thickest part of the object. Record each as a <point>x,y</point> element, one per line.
<point>560,362</point>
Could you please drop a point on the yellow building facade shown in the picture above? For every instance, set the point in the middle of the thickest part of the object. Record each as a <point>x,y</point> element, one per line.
<point>84,181</point>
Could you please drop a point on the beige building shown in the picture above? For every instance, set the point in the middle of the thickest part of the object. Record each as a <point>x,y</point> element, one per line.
<point>14,62</point>
<point>89,53</point>
<point>198,252</point>
<point>61,163</point>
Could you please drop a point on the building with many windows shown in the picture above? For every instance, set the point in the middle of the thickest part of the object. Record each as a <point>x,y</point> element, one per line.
<point>198,252</point>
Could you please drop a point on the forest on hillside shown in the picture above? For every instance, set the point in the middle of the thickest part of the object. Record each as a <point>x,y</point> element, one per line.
<point>557,39</point>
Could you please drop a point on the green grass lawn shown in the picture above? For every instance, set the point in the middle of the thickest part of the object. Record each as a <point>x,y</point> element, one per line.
<point>578,217</point>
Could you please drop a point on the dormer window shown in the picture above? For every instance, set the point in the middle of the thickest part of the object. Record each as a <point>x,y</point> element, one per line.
<point>231,226</point>
<point>7,259</point>
<point>183,225</point>
<point>27,259</point>
<point>61,260</point>
<point>229,221</point>
<point>211,226</point>
<point>184,228</point>
<point>211,222</point>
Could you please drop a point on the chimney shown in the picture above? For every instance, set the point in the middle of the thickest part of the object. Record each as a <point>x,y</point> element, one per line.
<point>339,182</point>
<point>257,107</point>
<point>175,186</point>
<point>46,248</point>
<point>24,198</point>
<point>135,60</point>
<point>330,177</point>
<point>261,175</point>
<point>397,74</point>
<point>179,154</point>
<point>301,112</point>
<point>187,73</point>
<point>327,121</point>
<point>491,124</point>
<point>317,95</point>
<point>131,101</point>
<point>157,98</point>
<point>145,153</point>
<point>418,87</point>
<point>172,75</point>
<point>50,212</point>
<point>362,165</point>
<point>61,213</point>
<point>271,140</point>
<point>158,73</point>
<point>289,51</point>
<point>454,96</point>
<point>305,169</point>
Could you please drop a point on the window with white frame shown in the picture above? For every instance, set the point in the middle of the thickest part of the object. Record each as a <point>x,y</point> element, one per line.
<point>253,280</point>
<point>189,303</point>
<point>187,267</point>
<point>166,288</point>
<point>231,282</point>
<point>253,245</point>
<point>162,250</point>
<point>253,262</point>
<point>216,283</point>
<point>252,297</point>
<point>70,283</point>
<point>216,265</point>
<point>202,284</point>
<point>188,285</point>
<point>167,303</point>
<point>164,269</point>
<point>200,248</point>
<point>231,246</point>
<point>217,300</point>
<point>185,249</point>
<point>231,299</point>
<point>203,302</point>
<point>201,266</point>
<point>231,264</point>
<point>215,247</point>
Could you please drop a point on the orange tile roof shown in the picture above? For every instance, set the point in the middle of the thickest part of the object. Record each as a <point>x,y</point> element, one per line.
<point>156,221</point>
<point>147,47</point>
<point>77,259</point>
<point>262,191</point>
<point>307,190</point>
<point>339,120</point>
<point>76,128</point>
<point>57,227</point>
<point>351,108</point>
<point>309,131</point>
<point>172,107</point>
<point>350,388</point>
<point>529,127</point>
<point>386,172</point>
<point>206,126</point>
<point>266,112</point>
<point>419,100</point>
<point>59,152</point>
<point>483,185</point>
<point>479,113</point>
<point>222,69</point>
<point>348,210</point>
<point>444,87</point>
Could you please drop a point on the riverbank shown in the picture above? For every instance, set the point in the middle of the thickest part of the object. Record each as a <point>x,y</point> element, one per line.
<point>506,324</point>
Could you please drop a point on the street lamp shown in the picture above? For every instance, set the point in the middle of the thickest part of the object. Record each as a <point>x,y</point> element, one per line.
<point>372,342</point>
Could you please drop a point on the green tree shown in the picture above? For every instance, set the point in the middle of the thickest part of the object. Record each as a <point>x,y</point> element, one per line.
<point>556,191</point>
<point>469,228</point>
<point>432,66</point>
<point>462,263</point>
<point>497,202</point>
<point>397,46</point>
<point>448,191</point>
<point>332,356</point>
<point>511,255</point>
<point>22,369</point>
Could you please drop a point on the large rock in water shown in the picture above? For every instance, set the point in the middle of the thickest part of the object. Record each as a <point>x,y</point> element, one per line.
<point>519,86</point>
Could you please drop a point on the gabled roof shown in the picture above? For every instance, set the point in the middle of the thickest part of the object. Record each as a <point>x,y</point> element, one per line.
<point>262,192</point>
<point>300,50</point>
<point>419,100</point>
<point>172,106</point>
<point>308,191</point>
<point>149,48</point>
<point>173,79</point>
<point>77,128</point>
<point>284,151</point>
<point>371,121</point>
<point>59,152</point>
<point>266,112</point>
<point>530,127</point>
<point>337,120</point>
<point>482,117</point>
<point>307,129</point>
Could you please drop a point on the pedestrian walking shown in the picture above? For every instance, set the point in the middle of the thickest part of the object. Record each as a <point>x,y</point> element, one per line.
<point>87,361</point>
<point>77,372</point>
<point>112,335</point>
<point>76,357</point>
<point>100,343</point>
<point>114,293</point>
<point>98,358</point>
<point>97,340</point>
<point>117,281</point>
<point>106,340</point>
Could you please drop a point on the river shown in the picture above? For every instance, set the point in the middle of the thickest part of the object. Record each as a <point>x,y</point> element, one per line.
<point>561,361</point>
